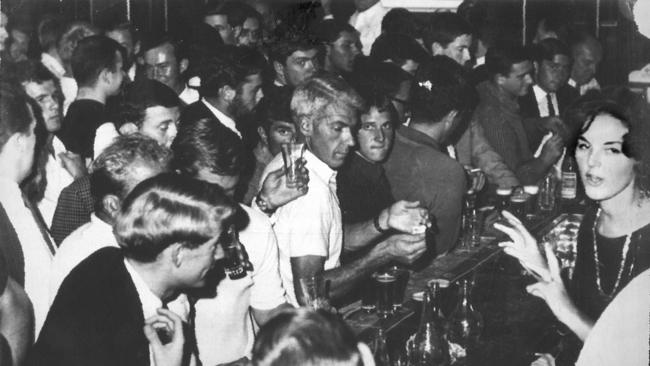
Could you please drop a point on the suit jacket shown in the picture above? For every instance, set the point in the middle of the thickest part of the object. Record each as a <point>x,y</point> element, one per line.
<point>73,209</point>
<point>96,318</point>
<point>530,112</point>
<point>11,249</point>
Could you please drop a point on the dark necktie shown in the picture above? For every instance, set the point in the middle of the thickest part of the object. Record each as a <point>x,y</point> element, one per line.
<point>40,223</point>
<point>551,108</point>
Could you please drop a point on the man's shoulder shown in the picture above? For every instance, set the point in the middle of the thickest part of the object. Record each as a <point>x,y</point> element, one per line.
<point>195,111</point>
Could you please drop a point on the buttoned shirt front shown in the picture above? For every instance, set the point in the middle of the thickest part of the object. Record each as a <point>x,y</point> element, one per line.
<point>225,120</point>
<point>310,225</point>
<point>542,101</point>
<point>37,254</point>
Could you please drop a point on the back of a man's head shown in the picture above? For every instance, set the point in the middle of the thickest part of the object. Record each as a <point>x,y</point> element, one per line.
<point>400,20</point>
<point>548,48</point>
<point>306,337</point>
<point>398,48</point>
<point>230,68</point>
<point>93,55</point>
<point>441,87</point>
<point>49,30</point>
<point>122,165</point>
<point>206,145</point>
<point>15,114</point>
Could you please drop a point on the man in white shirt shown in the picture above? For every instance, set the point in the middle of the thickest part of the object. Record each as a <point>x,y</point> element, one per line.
<point>26,243</point>
<point>123,164</point>
<point>587,53</point>
<point>61,167</point>
<point>231,86</point>
<point>224,324</point>
<point>310,229</point>
<point>165,61</point>
<point>550,96</point>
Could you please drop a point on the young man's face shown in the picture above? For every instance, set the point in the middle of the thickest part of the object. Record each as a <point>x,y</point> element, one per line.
<point>248,95</point>
<point>301,66</point>
<point>375,135</point>
<point>517,82</point>
<point>331,137</point>
<point>342,52</point>
<point>48,97</point>
<point>160,124</point>
<point>280,132</point>
<point>220,23</point>
<point>457,50</point>
<point>250,33</point>
<point>552,74</point>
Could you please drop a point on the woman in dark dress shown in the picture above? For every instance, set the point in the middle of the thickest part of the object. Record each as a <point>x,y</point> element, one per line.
<point>613,157</point>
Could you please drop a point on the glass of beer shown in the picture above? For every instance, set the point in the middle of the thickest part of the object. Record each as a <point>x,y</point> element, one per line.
<point>385,282</point>
<point>291,154</point>
<point>401,280</point>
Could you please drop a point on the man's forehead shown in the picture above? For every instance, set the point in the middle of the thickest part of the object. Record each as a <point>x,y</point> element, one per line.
<point>463,40</point>
<point>162,53</point>
<point>282,124</point>
<point>521,68</point>
<point>559,59</point>
<point>309,53</point>
<point>348,36</point>
<point>339,113</point>
<point>34,89</point>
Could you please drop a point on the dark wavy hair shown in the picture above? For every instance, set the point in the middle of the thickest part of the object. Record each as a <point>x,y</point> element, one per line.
<point>633,112</point>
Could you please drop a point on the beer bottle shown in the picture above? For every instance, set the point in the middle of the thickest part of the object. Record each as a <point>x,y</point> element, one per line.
<point>234,257</point>
<point>464,327</point>
<point>569,178</point>
<point>429,347</point>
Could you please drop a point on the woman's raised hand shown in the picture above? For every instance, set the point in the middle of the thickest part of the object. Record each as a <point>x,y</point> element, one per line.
<point>523,246</point>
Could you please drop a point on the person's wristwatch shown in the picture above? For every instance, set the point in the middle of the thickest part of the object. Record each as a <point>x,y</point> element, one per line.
<point>263,204</point>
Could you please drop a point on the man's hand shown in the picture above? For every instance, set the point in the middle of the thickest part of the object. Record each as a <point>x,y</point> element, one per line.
<point>553,124</point>
<point>405,216</point>
<point>552,149</point>
<point>73,163</point>
<point>275,190</point>
<point>170,354</point>
<point>406,248</point>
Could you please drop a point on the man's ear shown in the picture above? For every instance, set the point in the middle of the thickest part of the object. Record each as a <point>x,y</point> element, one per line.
<point>536,65</point>
<point>279,72</point>
<point>500,79</point>
<point>136,48</point>
<point>263,136</point>
<point>177,254</point>
<point>182,66</point>
<point>449,118</point>
<point>112,205</point>
<point>104,76</point>
<point>306,126</point>
<point>437,49</point>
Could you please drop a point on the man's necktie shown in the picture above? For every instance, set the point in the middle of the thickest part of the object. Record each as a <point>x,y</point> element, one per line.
<point>551,108</point>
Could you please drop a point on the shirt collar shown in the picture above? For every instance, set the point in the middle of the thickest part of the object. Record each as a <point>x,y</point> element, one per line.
<point>225,120</point>
<point>150,302</point>
<point>540,94</point>
<point>418,137</point>
<point>318,167</point>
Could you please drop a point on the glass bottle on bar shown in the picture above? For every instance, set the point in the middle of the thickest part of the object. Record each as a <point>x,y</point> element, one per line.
<point>234,257</point>
<point>429,347</point>
<point>569,178</point>
<point>464,326</point>
<point>379,348</point>
<point>546,199</point>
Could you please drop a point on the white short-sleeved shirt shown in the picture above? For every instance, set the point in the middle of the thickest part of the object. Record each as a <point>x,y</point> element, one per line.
<point>79,245</point>
<point>58,178</point>
<point>310,225</point>
<point>224,330</point>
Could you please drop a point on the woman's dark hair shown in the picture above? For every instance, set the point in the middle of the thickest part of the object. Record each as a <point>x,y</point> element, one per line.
<point>308,338</point>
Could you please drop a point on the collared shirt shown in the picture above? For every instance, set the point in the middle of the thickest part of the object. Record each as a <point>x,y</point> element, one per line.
<point>37,254</point>
<point>368,23</point>
<point>224,331</point>
<point>584,88</point>
<point>78,246</point>
<point>151,303</point>
<point>104,137</point>
<point>542,101</point>
<point>189,95</point>
<point>310,225</point>
<point>225,120</point>
<point>58,177</point>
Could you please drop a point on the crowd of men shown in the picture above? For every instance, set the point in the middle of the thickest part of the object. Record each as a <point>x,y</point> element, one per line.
<point>109,130</point>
